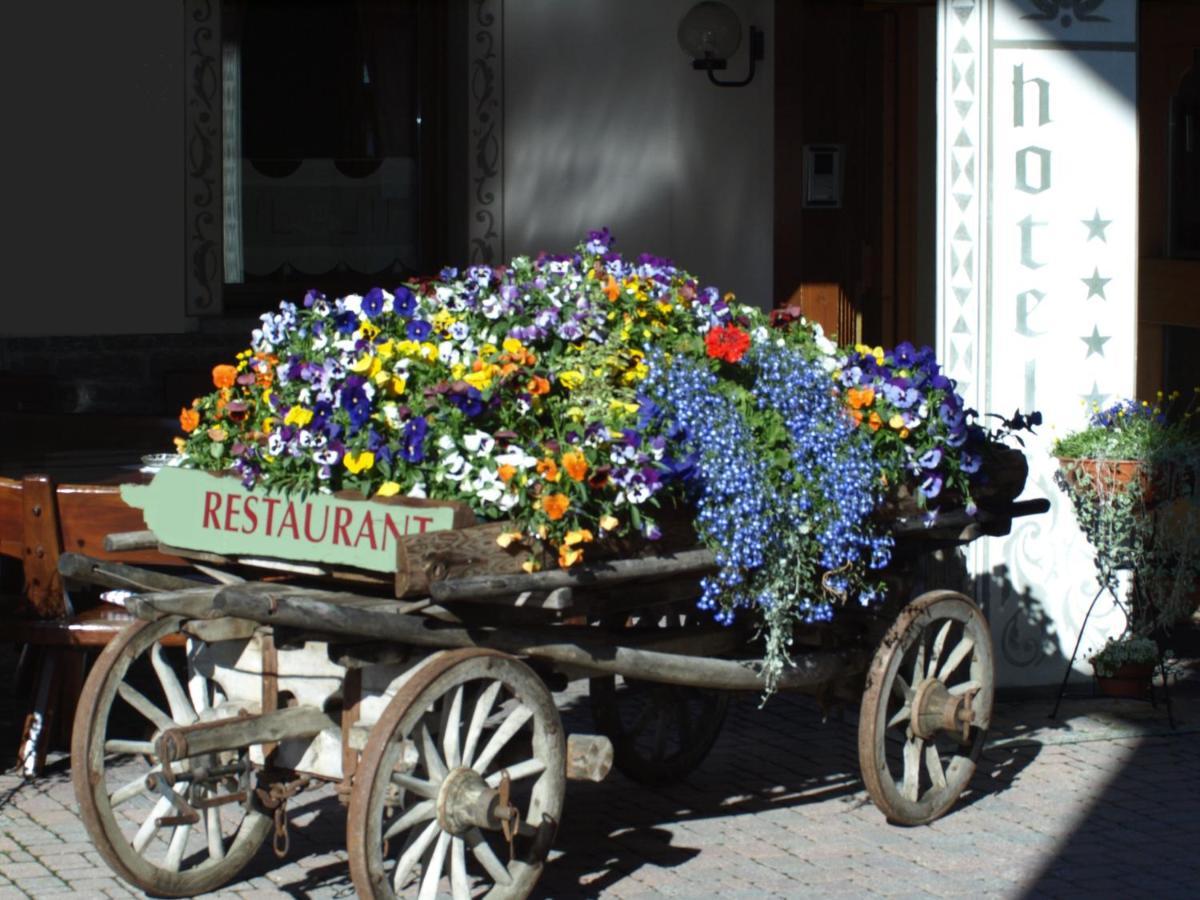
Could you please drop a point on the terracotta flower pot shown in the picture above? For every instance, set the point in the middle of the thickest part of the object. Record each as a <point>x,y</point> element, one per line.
<point>1115,476</point>
<point>1130,681</point>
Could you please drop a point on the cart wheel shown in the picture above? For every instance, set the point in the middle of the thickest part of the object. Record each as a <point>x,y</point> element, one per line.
<point>133,693</point>
<point>926,708</point>
<point>461,784</point>
<point>660,732</point>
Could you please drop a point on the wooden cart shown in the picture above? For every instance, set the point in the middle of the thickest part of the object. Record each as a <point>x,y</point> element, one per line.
<point>428,701</point>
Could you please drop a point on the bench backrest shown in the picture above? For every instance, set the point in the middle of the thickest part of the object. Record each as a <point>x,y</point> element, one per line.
<point>38,521</point>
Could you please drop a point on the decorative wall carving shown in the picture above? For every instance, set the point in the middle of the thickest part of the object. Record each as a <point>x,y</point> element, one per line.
<point>202,156</point>
<point>485,129</point>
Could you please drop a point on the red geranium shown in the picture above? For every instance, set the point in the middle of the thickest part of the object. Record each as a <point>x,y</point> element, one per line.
<point>728,342</point>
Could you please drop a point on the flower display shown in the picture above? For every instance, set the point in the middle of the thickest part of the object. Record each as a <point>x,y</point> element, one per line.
<point>575,395</point>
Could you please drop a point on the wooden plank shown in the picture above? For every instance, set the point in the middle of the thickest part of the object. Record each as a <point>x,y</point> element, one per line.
<point>89,512</point>
<point>12,533</point>
<point>423,559</point>
<point>688,562</point>
<point>118,575</point>
<point>43,588</point>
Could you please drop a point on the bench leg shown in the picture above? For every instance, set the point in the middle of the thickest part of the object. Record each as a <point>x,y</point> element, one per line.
<point>32,753</point>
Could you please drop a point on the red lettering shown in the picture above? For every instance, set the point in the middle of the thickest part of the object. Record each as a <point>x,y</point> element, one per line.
<point>340,524</point>
<point>271,502</point>
<point>232,510</point>
<point>212,502</point>
<point>248,509</point>
<point>308,511</point>
<point>366,528</point>
<point>424,520</point>
<point>390,530</point>
<point>289,521</point>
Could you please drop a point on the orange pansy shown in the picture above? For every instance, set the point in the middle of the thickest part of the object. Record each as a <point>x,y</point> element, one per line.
<point>538,386</point>
<point>575,464</point>
<point>548,469</point>
<point>506,473</point>
<point>224,376</point>
<point>555,506</point>
<point>189,420</point>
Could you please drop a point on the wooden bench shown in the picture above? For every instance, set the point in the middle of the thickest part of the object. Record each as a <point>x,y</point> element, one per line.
<point>39,522</point>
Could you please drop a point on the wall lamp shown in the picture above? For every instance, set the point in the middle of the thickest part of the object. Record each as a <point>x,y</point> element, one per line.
<point>710,34</point>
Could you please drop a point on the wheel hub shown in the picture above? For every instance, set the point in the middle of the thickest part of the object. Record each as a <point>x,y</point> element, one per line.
<point>465,801</point>
<point>935,709</point>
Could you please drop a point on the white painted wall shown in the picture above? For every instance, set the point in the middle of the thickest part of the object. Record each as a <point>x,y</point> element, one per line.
<point>606,123</point>
<point>93,156</point>
<point>1037,310</point>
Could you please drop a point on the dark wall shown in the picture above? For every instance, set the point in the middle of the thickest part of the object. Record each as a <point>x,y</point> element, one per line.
<point>93,154</point>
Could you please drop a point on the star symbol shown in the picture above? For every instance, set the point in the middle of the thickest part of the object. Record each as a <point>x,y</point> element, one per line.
<point>1096,284</point>
<point>1095,343</point>
<point>1096,225</point>
<point>1095,399</point>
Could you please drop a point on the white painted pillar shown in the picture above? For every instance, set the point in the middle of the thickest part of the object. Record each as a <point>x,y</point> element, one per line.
<point>1037,299</point>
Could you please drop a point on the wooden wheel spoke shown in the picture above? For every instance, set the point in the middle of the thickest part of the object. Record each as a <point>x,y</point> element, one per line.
<point>514,723</point>
<point>148,710</point>
<point>900,688</point>
<point>460,881</point>
<point>132,748</point>
<point>919,663</point>
<point>963,688</point>
<point>660,734</point>
<point>910,789</point>
<point>903,715</point>
<point>422,812</point>
<point>483,852</point>
<point>938,643</point>
<point>128,791</point>
<point>933,764</point>
<point>434,868</point>
<point>525,769</point>
<point>434,766</point>
<point>645,714</point>
<point>412,854</point>
<point>418,786</point>
<point>452,728</point>
<point>683,718</point>
<point>212,832</point>
<point>144,833</point>
<point>956,657</point>
<point>483,709</point>
<point>175,849</point>
<point>177,698</point>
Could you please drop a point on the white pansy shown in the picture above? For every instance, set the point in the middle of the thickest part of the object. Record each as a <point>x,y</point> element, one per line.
<point>417,490</point>
<point>352,302</point>
<point>445,442</point>
<point>517,458</point>
<point>479,442</point>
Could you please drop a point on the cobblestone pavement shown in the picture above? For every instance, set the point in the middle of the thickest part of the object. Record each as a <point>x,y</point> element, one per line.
<point>1102,802</point>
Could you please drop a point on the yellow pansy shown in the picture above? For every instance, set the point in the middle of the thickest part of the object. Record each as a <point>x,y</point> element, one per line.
<point>570,379</point>
<point>896,421</point>
<point>480,380</point>
<point>512,345</point>
<point>507,538</point>
<point>609,522</point>
<point>386,350</point>
<point>298,415</point>
<point>388,489</point>
<point>360,462</point>
<point>397,384</point>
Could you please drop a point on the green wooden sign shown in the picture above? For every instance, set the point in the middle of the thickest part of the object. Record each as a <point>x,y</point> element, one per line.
<point>195,510</point>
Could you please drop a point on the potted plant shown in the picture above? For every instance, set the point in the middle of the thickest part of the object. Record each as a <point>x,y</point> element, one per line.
<point>1130,475</point>
<point>1124,665</point>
